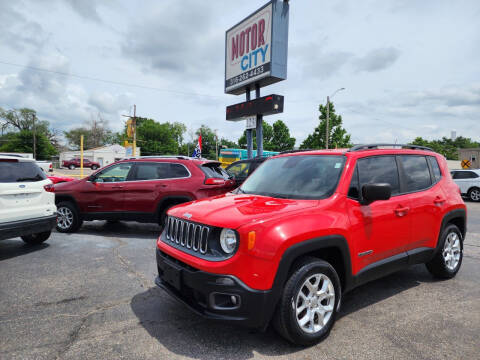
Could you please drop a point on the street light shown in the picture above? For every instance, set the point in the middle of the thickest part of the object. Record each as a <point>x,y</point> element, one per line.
<point>328,114</point>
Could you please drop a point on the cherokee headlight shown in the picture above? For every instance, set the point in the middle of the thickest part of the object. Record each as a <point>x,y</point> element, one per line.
<point>228,240</point>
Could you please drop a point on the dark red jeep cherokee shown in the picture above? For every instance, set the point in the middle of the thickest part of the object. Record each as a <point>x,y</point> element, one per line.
<point>307,227</point>
<point>140,189</point>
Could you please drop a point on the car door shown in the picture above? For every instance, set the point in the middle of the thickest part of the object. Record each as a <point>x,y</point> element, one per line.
<point>151,182</point>
<point>380,230</point>
<point>104,193</point>
<point>421,175</point>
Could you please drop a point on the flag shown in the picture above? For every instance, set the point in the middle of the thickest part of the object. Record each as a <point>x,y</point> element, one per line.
<point>198,149</point>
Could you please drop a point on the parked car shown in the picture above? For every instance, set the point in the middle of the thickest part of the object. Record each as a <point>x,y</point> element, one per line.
<point>45,165</point>
<point>27,203</point>
<point>469,183</point>
<point>240,170</point>
<point>140,189</point>
<point>57,179</point>
<point>75,163</point>
<point>307,227</point>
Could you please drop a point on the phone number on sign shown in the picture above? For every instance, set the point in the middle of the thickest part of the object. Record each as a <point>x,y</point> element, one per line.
<point>246,75</point>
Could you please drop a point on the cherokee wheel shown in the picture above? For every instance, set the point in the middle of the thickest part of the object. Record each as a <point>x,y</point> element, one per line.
<point>474,194</point>
<point>94,167</point>
<point>307,309</point>
<point>68,219</point>
<point>71,167</point>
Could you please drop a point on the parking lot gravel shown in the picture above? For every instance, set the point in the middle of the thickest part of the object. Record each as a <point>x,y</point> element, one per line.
<point>91,295</point>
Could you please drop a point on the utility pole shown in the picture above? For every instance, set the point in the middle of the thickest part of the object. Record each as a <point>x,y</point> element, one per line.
<point>216,145</point>
<point>259,132</point>
<point>327,132</point>
<point>34,138</point>
<point>249,131</point>
<point>328,116</point>
<point>134,130</point>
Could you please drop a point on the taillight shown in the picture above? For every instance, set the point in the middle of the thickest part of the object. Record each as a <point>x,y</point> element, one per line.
<point>51,167</point>
<point>49,188</point>
<point>214,181</point>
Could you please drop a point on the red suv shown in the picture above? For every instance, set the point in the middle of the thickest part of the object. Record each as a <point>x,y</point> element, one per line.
<point>307,227</point>
<point>74,163</point>
<point>139,189</point>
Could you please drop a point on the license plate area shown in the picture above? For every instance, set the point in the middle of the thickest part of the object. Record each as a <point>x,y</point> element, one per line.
<point>172,274</point>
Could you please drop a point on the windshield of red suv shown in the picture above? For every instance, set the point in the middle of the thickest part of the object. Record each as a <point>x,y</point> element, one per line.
<point>296,177</point>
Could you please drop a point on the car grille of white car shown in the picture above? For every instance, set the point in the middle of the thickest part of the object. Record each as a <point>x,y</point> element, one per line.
<point>187,234</point>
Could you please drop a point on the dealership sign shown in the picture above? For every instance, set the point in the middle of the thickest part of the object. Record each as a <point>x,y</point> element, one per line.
<point>256,48</point>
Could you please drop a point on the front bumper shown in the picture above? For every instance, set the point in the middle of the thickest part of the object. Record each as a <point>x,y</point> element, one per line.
<point>27,227</point>
<point>210,295</point>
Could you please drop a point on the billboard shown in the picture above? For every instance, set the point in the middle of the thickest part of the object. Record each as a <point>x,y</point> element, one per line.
<point>256,48</point>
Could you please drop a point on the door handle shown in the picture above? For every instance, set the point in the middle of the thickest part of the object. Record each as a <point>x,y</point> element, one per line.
<point>438,201</point>
<point>402,211</point>
<point>117,187</point>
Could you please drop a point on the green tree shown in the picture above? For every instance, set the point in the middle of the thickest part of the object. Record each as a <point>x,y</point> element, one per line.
<point>22,142</point>
<point>338,136</point>
<point>447,147</point>
<point>281,140</point>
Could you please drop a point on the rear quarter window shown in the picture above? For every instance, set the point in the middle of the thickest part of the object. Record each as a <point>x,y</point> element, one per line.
<point>214,170</point>
<point>20,171</point>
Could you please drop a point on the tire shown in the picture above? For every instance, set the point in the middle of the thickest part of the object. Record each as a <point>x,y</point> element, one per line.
<point>36,239</point>
<point>297,297</point>
<point>68,219</point>
<point>71,167</point>
<point>474,194</point>
<point>448,258</point>
<point>94,167</point>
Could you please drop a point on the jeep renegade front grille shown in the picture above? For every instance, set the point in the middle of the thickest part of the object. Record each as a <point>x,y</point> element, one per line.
<point>187,234</point>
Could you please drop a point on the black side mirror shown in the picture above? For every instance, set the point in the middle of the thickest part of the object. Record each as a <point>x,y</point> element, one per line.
<point>375,192</point>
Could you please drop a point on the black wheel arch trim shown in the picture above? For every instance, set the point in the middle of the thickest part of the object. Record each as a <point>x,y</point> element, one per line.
<point>455,214</point>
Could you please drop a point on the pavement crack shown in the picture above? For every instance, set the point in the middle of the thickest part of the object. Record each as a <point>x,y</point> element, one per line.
<point>127,265</point>
<point>63,301</point>
<point>72,337</point>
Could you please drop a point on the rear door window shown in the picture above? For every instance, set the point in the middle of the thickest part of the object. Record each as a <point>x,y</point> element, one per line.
<point>379,169</point>
<point>20,171</point>
<point>416,172</point>
<point>465,175</point>
<point>159,171</point>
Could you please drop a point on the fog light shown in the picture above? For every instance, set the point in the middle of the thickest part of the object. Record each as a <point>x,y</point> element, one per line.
<point>234,300</point>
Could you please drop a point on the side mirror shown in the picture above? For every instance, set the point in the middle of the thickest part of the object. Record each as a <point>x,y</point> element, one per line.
<point>375,192</point>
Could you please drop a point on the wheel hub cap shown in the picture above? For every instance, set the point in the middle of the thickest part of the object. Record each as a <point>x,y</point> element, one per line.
<point>452,251</point>
<point>315,303</point>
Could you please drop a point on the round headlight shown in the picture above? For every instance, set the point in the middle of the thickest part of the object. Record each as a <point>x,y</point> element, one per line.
<point>228,240</point>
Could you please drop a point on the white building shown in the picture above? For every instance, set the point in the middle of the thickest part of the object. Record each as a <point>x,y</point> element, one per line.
<point>103,155</point>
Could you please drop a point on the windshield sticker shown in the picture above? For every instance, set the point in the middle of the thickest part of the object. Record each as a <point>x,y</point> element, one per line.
<point>337,165</point>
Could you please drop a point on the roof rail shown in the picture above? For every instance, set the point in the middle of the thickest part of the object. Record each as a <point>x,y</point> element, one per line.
<point>377,146</point>
<point>294,151</point>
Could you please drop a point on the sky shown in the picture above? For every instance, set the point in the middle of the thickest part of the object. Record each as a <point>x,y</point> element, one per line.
<point>409,68</point>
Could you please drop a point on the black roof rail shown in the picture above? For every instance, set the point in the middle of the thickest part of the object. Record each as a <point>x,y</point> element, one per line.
<point>294,151</point>
<point>377,146</point>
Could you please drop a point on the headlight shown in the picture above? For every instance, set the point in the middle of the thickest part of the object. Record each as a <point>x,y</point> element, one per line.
<point>228,240</point>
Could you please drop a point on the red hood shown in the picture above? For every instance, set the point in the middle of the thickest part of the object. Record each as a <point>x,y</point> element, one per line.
<point>233,211</point>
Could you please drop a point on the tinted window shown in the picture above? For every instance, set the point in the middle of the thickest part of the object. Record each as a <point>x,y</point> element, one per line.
<point>240,169</point>
<point>416,171</point>
<point>296,177</point>
<point>465,175</point>
<point>214,170</point>
<point>435,168</point>
<point>379,169</point>
<point>115,173</point>
<point>354,189</point>
<point>157,171</point>
<point>13,171</point>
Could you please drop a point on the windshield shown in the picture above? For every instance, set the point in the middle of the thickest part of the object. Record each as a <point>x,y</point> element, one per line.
<point>296,177</point>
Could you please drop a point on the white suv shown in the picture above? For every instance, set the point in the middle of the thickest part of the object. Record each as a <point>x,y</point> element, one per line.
<point>27,201</point>
<point>469,182</point>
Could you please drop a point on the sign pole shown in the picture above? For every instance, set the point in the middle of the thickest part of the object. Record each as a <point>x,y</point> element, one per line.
<point>81,156</point>
<point>134,130</point>
<point>259,126</point>
<point>249,131</point>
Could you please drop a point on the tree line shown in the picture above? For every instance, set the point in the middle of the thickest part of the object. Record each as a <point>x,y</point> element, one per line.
<point>17,127</point>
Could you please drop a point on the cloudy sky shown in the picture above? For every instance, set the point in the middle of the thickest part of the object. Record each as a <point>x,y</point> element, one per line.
<point>410,68</point>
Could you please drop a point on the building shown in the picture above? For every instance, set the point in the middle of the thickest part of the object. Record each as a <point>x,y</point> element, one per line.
<point>473,155</point>
<point>103,155</point>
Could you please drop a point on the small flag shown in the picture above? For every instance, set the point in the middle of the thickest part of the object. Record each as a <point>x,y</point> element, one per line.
<point>198,149</point>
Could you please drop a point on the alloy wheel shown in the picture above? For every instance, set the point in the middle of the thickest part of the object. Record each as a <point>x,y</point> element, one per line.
<point>64,218</point>
<point>315,303</point>
<point>475,195</point>
<point>451,251</point>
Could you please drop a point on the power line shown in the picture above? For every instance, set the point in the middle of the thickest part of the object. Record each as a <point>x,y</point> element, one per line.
<point>109,81</point>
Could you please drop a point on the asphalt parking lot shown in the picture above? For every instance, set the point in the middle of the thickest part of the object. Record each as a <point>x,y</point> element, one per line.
<point>91,295</point>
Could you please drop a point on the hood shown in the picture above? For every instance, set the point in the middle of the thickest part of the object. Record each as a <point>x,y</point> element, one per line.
<point>233,211</point>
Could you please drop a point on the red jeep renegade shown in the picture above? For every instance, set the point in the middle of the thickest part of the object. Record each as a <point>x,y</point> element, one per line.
<point>306,228</point>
